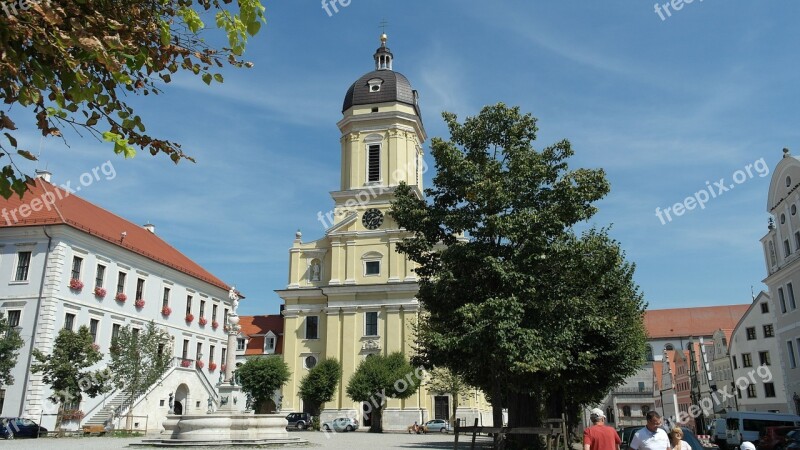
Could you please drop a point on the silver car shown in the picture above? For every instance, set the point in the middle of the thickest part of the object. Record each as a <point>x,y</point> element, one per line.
<point>439,425</point>
<point>341,424</point>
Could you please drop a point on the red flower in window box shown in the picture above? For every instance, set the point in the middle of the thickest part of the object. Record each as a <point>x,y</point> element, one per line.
<point>199,364</point>
<point>121,297</point>
<point>214,324</point>
<point>189,318</point>
<point>212,366</point>
<point>139,303</point>
<point>72,414</point>
<point>75,284</point>
<point>202,321</point>
<point>186,363</point>
<point>166,311</point>
<point>99,292</point>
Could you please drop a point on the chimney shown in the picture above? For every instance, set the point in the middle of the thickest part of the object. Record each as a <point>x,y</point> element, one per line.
<point>149,227</point>
<point>43,174</point>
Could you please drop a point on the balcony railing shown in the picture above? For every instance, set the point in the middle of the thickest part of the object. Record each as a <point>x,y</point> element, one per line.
<point>633,390</point>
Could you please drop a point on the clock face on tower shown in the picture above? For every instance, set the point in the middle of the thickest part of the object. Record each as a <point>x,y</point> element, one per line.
<point>372,219</point>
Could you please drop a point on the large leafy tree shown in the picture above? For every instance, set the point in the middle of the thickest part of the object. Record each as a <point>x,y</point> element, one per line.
<point>319,385</point>
<point>379,377</point>
<point>139,357</point>
<point>66,369</point>
<point>72,63</point>
<point>261,377</point>
<point>442,380</point>
<point>10,343</point>
<point>518,302</point>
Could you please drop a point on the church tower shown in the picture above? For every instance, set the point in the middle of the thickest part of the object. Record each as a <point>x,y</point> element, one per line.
<point>350,293</point>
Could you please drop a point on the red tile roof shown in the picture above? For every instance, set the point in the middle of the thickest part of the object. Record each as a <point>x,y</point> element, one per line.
<point>56,206</point>
<point>255,327</point>
<point>700,321</point>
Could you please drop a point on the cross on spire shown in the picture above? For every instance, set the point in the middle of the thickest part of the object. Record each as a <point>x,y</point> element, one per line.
<point>383,26</point>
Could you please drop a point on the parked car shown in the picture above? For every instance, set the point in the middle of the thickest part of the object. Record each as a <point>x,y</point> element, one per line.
<point>774,438</point>
<point>793,440</point>
<point>341,424</point>
<point>626,434</point>
<point>717,432</point>
<point>439,425</point>
<point>298,420</point>
<point>17,427</point>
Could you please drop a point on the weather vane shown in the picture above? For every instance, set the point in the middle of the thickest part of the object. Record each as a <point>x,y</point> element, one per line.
<point>383,26</point>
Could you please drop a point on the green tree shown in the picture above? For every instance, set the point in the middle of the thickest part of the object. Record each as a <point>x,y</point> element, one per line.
<point>138,359</point>
<point>261,377</point>
<point>379,377</point>
<point>516,300</point>
<point>66,369</point>
<point>319,385</point>
<point>444,381</point>
<point>73,63</point>
<point>9,351</point>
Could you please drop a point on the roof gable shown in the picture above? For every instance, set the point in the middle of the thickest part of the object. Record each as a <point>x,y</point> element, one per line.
<point>692,322</point>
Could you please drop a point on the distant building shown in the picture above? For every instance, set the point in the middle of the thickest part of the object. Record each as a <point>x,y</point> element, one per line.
<point>781,247</point>
<point>66,263</point>
<point>260,337</point>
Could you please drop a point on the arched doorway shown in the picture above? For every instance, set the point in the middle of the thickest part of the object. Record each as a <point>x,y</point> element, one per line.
<point>181,399</point>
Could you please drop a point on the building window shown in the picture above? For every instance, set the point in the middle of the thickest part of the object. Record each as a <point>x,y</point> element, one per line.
<point>77,263</point>
<point>648,353</point>
<point>93,324</point>
<point>69,321</point>
<point>746,360</point>
<point>225,317</point>
<point>213,313</point>
<point>669,347</point>
<point>188,304</point>
<point>224,354</point>
<point>371,323</point>
<point>199,351</point>
<point>240,344</point>
<point>763,358</point>
<point>782,300</point>
<point>13,317</point>
<point>769,389</point>
<point>121,282</point>
<point>789,289</point>
<point>269,344</point>
<point>764,308</point>
<point>202,308</point>
<point>310,361</point>
<point>786,249</point>
<point>790,352</point>
<point>374,163</point>
<point>165,298</point>
<point>751,333</point>
<point>312,327</point>
<point>139,289</point>
<point>2,398</point>
<point>769,331</point>
<point>100,276</point>
<point>735,366</point>
<point>185,350</point>
<point>626,411</point>
<point>23,264</point>
<point>211,350</point>
<point>372,268</point>
<point>797,240</point>
<point>751,391</point>
<point>115,331</point>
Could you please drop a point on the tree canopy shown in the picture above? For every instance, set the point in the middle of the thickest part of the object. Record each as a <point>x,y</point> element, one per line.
<point>378,377</point>
<point>262,376</point>
<point>139,358</point>
<point>442,380</point>
<point>72,63</point>
<point>516,300</point>
<point>319,384</point>
<point>10,344</point>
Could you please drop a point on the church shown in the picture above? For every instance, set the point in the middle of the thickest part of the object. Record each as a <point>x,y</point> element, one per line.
<point>350,293</point>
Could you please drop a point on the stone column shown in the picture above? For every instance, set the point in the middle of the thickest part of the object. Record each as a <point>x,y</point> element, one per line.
<point>230,356</point>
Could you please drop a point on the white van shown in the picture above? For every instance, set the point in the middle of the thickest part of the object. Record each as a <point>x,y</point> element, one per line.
<point>743,426</point>
<point>717,432</point>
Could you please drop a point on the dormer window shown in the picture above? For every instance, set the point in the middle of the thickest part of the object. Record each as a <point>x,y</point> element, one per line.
<point>375,84</point>
<point>269,342</point>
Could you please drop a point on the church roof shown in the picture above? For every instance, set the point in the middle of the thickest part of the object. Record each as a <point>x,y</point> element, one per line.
<point>255,327</point>
<point>394,88</point>
<point>70,210</point>
<point>692,322</point>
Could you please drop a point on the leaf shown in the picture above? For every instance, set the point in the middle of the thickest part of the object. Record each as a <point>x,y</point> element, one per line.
<point>218,77</point>
<point>27,155</point>
<point>12,140</point>
<point>207,78</point>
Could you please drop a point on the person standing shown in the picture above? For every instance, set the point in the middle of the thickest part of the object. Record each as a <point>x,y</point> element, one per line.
<point>652,436</point>
<point>676,440</point>
<point>600,436</point>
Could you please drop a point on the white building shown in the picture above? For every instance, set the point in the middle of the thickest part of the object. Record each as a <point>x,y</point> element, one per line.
<point>66,263</point>
<point>756,360</point>
<point>781,250</point>
<point>722,378</point>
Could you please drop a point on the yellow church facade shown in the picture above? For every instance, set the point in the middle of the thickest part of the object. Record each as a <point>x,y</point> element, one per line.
<point>350,293</point>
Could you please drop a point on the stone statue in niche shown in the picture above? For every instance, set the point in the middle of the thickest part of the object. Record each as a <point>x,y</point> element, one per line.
<point>315,270</point>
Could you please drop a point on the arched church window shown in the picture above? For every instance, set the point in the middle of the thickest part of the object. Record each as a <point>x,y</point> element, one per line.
<point>648,352</point>
<point>669,347</point>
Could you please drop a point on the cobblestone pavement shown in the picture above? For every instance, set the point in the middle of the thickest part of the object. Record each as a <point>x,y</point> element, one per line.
<point>334,441</point>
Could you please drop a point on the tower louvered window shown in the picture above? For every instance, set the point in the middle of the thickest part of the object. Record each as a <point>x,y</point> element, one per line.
<point>374,163</point>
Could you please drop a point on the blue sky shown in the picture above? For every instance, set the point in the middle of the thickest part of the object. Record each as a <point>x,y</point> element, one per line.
<point>662,105</point>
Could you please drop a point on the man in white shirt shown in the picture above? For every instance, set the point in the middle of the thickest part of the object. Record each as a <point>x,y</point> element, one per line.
<point>652,436</point>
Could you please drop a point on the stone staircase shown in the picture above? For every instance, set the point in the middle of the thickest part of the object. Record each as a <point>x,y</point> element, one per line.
<point>114,402</point>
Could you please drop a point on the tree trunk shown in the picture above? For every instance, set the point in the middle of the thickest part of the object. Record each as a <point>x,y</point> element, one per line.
<point>497,414</point>
<point>524,410</point>
<point>376,421</point>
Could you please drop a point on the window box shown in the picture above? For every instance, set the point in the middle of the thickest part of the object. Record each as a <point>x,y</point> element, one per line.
<point>139,303</point>
<point>212,366</point>
<point>199,364</point>
<point>121,297</point>
<point>75,284</point>
<point>215,324</point>
<point>72,414</point>
<point>202,321</point>
<point>99,292</point>
<point>186,363</point>
<point>189,318</point>
<point>166,311</point>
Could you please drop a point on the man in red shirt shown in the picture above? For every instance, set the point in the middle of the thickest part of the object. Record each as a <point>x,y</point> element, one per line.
<point>599,436</point>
